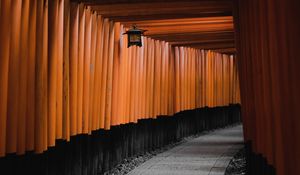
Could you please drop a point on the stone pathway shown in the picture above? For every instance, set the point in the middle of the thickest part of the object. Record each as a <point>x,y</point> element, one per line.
<point>208,154</point>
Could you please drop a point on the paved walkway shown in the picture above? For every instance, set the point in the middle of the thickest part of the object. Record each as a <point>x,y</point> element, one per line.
<point>205,155</point>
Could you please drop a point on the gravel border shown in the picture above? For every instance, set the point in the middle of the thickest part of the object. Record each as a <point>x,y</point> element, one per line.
<point>129,164</point>
<point>237,165</point>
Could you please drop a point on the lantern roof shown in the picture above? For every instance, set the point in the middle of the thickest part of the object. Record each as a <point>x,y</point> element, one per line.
<point>134,29</point>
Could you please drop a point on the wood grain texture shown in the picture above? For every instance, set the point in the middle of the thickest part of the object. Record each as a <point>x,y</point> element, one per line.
<point>4,70</point>
<point>22,117</point>
<point>31,103</point>
<point>52,69</point>
<point>86,71</point>
<point>66,72</point>
<point>74,38</point>
<point>60,61</point>
<point>41,85</point>
<point>14,80</point>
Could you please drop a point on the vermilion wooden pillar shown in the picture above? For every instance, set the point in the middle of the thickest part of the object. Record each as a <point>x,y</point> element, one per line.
<point>74,26</point>
<point>267,40</point>
<point>13,77</point>
<point>41,85</point>
<point>4,66</point>
<point>22,117</point>
<point>31,100</point>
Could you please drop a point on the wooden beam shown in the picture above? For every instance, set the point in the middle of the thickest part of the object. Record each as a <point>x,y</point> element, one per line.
<point>210,46</point>
<point>135,18</point>
<point>229,51</point>
<point>188,42</point>
<point>162,10</point>
<point>194,36</point>
<point>99,2</point>
<point>180,21</point>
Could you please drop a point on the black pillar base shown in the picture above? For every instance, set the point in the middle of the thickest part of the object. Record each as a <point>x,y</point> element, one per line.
<point>256,163</point>
<point>97,153</point>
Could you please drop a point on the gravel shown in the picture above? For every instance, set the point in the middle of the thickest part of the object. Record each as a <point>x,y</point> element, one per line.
<point>237,165</point>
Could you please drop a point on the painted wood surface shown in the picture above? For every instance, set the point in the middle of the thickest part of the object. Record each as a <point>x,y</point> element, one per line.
<point>69,72</point>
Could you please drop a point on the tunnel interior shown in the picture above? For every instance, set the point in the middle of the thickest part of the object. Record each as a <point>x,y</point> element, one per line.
<point>74,99</point>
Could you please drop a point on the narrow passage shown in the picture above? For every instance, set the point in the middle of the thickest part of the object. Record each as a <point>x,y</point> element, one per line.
<point>205,155</point>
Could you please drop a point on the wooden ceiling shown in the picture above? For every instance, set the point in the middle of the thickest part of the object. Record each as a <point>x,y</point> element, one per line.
<point>205,24</point>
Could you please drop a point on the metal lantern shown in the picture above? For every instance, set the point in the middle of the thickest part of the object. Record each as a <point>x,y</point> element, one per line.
<point>135,36</point>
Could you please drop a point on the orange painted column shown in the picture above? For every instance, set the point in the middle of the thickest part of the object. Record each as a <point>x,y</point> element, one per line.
<point>127,56</point>
<point>132,89</point>
<point>74,26</point>
<point>53,66</point>
<point>163,78</point>
<point>183,61</point>
<point>204,62</point>
<point>116,89</point>
<point>142,58</point>
<point>109,82</point>
<point>31,73</point>
<point>167,81</point>
<point>4,69</point>
<point>86,71</point>
<point>157,79</point>
<point>188,78</point>
<point>122,76</point>
<point>97,69</point>
<point>22,117</point>
<point>80,68</point>
<point>177,80</point>
<point>147,77</point>
<point>92,118</point>
<point>138,83</point>
<point>41,85</point>
<point>171,82</point>
<point>66,72</point>
<point>13,78</point>
<point>106,28</point>
<point>60,57</point>
<point>197,80</point>
<point>151,67</point>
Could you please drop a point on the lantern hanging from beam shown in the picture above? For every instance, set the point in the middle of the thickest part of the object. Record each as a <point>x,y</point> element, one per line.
<point>135,36</point>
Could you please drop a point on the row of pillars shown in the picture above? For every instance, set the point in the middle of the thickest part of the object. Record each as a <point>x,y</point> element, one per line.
<point>104,149</point>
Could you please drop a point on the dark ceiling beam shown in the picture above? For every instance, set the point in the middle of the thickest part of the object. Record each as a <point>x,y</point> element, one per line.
<point>209,46</point>
<point>194,36</point>
<point>229,51</point>
<point>163,10</point>
<point>98,2</point>
<point>136,18</point>
<point>202,41</point>
<point>178,31</point>
<point>134,4</point>
<point>198,34</point>
<point>181,22</point>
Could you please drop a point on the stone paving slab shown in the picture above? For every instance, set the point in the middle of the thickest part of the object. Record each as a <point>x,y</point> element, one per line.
<point>208,154</point>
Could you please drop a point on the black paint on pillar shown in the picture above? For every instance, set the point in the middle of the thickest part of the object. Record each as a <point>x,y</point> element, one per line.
<point>94,154</point>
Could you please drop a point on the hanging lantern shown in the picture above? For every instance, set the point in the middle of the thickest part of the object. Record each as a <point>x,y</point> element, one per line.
<point>135,36</point>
